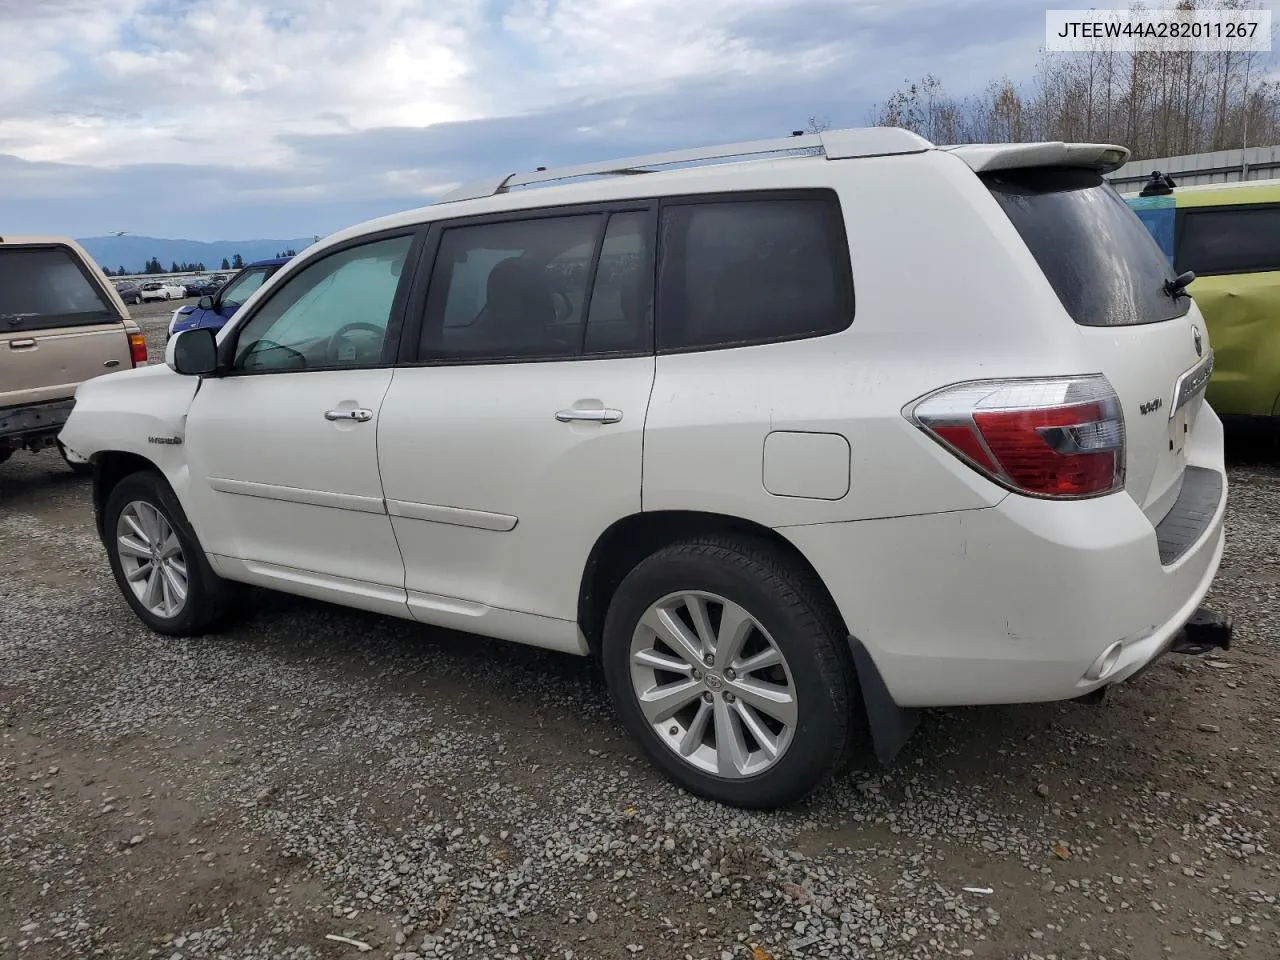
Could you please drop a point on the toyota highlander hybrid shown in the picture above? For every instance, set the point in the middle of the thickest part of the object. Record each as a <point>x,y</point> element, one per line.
<point>796,436</point>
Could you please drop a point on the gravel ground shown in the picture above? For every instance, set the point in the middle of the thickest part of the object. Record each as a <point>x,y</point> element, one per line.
<point>315,772</point>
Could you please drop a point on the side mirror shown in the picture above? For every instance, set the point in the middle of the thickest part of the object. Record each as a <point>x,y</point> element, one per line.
<point>192,352</point>
<point>205,303</point>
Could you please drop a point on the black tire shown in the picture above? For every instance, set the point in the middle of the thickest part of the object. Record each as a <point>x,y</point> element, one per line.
<point>210,599</point>
<point>79,469</point>
<point>793,608</point>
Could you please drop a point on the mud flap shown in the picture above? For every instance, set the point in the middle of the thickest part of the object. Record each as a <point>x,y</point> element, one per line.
<point>891,725</point>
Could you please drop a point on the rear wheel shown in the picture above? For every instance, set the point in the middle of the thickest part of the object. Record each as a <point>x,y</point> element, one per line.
<point>158,562</point>
<point>727,663</point>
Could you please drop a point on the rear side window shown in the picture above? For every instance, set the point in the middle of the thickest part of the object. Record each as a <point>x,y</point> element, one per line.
<point>1218,240</point>
<point>44,287</point>
<point>1101,261</point>
<point>741,271</point>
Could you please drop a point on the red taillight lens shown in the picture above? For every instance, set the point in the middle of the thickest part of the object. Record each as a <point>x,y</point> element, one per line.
<point>137,348</point>
<point>1058,437</point>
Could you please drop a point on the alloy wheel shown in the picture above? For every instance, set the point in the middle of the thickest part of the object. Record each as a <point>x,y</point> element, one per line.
<point>713,685</point>
<point>151,559</point>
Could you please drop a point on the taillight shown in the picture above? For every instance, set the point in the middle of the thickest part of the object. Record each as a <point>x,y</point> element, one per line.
<point>1059,437</point>
<point>137,348</point>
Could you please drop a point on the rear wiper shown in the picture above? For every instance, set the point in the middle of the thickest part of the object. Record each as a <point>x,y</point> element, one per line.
<point>1177,287</point>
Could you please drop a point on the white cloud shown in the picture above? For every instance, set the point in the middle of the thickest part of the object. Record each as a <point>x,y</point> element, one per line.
<point>245,110</point>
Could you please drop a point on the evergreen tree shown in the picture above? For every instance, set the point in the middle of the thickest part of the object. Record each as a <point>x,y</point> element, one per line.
<point>237,262</point>
<point>174,268</point>
<point>225,265</point>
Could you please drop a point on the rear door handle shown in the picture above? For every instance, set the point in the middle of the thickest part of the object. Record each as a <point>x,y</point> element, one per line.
<point>359,415</point>
<point>607,415</point>
<point>21,344</point>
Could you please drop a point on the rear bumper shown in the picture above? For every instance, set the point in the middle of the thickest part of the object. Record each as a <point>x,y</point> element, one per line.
<point>1029,600</point>
<point>35,419</point>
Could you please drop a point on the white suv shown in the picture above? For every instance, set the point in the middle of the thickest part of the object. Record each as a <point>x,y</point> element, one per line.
<point>798,438</point>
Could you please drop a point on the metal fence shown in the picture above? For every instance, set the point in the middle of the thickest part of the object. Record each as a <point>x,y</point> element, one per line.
<point>1222,166</point>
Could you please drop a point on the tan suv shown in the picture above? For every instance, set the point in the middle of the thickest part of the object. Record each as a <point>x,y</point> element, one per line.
<point>61,323</point>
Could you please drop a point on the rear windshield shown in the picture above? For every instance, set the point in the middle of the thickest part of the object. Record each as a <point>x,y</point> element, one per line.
<point>43,287</point>
<point>1101,261</point>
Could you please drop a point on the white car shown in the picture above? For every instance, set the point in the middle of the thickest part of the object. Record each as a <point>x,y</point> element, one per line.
<point>795,447</point>
<point>161,290</point>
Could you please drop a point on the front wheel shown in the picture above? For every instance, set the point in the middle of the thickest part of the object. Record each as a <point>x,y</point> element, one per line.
<point>158,562</point>
<point>728,665</point>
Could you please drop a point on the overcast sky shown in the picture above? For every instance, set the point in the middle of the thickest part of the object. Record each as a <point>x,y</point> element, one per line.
<point>237,119</point>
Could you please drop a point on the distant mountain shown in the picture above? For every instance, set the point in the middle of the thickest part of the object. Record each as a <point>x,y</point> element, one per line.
<point>132,253</point>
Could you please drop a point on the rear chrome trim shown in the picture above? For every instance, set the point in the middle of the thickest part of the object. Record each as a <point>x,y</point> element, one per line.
<point>1191,384</point>
<point>1190,515</point>
<point>453,516</point>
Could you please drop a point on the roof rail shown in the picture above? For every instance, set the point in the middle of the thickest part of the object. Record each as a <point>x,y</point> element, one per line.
<point>832,144</point>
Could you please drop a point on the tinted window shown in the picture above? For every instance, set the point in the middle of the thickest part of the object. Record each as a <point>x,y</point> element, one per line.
<point>1099,258</point>
<point>1229,240</point>
<point>46,287</point>
<point>752,271</point>
<point>331,313</point>
<point>512,290</point>
<point>620,318</point>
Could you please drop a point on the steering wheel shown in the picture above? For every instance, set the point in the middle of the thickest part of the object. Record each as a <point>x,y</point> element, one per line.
<point>336,344</point>
<point>261,347</point>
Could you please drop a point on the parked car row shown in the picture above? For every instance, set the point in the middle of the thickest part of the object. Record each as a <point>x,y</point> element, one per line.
<point>134,291</point>
<point>708,426</point>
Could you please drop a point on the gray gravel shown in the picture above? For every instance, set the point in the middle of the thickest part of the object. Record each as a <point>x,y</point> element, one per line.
<point>316,772</point>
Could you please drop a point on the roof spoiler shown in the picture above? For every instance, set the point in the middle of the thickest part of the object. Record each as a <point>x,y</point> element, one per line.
<point>986,157</point>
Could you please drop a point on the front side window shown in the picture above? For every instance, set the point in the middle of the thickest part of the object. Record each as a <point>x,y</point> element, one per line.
<point>747,271</point>
<point>511,290</point>
<point>44,287</point>
<point>243,287</point>
<point>1223,240</point>
<point>332,313</point>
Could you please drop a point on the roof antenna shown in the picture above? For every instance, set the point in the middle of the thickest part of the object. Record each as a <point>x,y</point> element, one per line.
<point>797,133</point>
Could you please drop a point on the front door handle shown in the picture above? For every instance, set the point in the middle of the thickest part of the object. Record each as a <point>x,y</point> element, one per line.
<point>607,415</point>
<point>359,415</point>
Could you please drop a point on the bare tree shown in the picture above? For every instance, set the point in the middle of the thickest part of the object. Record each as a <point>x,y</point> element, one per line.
<point>1156,102</point>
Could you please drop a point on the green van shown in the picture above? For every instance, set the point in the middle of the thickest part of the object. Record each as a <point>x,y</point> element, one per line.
<point>1228,234</point>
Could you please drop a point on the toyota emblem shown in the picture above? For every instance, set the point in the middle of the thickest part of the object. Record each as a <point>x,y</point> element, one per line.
<point>1199,340</point>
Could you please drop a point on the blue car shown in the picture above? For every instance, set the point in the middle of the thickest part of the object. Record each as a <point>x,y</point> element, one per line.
<point>213,311</point>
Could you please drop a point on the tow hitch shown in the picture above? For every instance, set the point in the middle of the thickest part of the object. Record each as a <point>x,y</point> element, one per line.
<point>1205,631</point>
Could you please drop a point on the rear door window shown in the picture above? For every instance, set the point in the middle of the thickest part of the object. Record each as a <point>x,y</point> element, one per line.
<point>46,287</point>
<point>1101,261</point>
<point>1221,240</point>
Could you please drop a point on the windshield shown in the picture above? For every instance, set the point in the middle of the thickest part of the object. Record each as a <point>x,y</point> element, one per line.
<point>1101,261</point>
<point>43,287</point>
